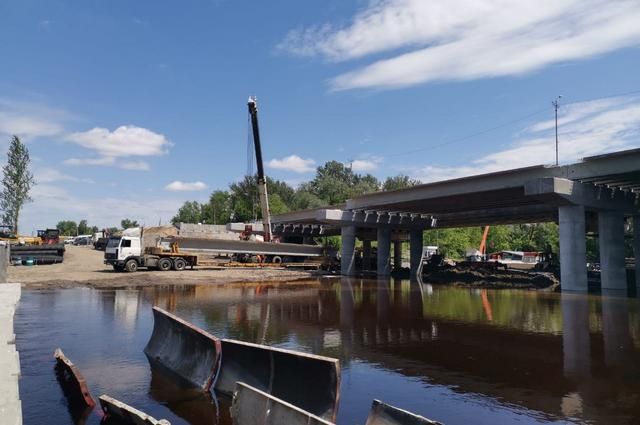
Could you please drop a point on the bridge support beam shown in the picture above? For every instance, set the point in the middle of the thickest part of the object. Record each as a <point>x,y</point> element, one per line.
<point>415,247</point>
<point>366,254</point>
<point>397,255</point>
<point>611,239</point>
<point>384,251</point>
<point>636,248</point>
<point>573,248</point>
<point>348,251</point>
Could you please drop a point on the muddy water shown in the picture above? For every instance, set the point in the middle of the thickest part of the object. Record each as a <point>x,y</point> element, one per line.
<point>460,356</point>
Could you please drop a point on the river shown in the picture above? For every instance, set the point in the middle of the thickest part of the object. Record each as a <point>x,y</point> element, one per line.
<point>456,355</point>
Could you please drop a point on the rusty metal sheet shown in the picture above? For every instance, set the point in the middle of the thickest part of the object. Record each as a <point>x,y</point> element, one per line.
<point>385,414</point>
<point>183,348</point>
<point>304,380</point>
<point>118,412</point>
<point>73,383</point>
<point>254,407</point>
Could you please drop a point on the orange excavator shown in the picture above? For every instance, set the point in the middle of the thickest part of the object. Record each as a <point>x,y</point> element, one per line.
<point>483,243</point>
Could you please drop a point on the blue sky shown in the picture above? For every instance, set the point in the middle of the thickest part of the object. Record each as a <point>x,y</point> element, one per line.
<point>131,108</point>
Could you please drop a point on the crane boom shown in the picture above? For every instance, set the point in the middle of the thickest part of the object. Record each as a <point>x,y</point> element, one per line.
<point>262,180</point>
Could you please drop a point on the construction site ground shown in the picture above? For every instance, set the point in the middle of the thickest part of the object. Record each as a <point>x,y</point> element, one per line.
<point>83,266</point>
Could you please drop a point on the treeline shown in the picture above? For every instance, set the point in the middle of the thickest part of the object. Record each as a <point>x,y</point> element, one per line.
<point>519,237</point>
<point>71,228</point>
<point>333,184</point>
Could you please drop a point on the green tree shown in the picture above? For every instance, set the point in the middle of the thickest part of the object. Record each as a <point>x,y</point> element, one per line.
<point>67,228</point>
<point>304,200</point>
<point>83,227</point>
<point>399,182</point>
<point>16,182</point>
<point>218,209</point>
<point>189,212</point>
<point>127,223</point>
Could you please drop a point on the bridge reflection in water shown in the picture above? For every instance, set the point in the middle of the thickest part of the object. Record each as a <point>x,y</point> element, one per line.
<point>452,354</point>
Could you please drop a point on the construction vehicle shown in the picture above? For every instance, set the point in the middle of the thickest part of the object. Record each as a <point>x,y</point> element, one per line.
<point>127,253</point>
<point>49,236</point>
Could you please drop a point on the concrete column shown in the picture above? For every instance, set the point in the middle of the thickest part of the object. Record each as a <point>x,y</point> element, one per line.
<point>573,248</point>
<point>415,250</point>
<point>348,251</point>
<point>366,255</point>
<point>611,238</point>
<point>384,251</point>
<point>397,255</point>
<point>636,249</point>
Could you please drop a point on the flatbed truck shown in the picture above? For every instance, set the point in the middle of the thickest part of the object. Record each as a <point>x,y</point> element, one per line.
<point>127,253</point>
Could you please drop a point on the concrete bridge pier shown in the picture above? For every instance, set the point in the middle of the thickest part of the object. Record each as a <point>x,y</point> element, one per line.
<point>397,255</point>
<point>348,251</point>
<point>636,248</point>
<point>366,255</point>
<point>573,248</point>
<point>384,251</point>
<point>611,239</point>
<point>415,247</point>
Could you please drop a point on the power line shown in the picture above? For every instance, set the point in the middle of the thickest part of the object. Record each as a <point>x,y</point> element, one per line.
<point>506,124</point>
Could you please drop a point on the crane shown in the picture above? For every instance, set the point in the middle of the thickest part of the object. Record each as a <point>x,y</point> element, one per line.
<point>262,179</point>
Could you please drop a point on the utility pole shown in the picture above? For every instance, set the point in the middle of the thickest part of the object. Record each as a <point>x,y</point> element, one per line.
<point>556,105</point>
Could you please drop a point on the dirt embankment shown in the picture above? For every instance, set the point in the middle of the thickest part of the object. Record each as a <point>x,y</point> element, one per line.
<point>83,266</point>
<point>492,278</point>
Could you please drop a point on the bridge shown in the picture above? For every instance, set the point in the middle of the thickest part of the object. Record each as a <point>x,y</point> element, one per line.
<point>600,193</point>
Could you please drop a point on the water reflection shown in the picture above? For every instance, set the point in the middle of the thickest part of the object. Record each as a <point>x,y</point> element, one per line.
<point>456,355</point>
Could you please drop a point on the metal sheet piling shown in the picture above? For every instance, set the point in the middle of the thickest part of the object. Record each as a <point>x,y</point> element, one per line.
<point>385,414</point>
<point>184,349</point>
<point>73,383</point>
<point>307,381</point>
<point>118,412</point>
<point>254,407</point>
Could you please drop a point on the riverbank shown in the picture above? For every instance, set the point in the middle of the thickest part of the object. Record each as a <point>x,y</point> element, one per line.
<point>83,266</point>
<point>492,278</point>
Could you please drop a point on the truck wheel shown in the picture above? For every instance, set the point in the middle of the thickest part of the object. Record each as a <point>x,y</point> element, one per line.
<point>164,264</point>
<point>179,264</point>
<point>131,266</point>
<point>276,259</point>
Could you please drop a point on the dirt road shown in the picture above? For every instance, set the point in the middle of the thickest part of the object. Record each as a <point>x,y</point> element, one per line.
<point>83,266</point>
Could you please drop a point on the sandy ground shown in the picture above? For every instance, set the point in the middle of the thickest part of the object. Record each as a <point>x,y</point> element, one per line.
<point>83,266</point>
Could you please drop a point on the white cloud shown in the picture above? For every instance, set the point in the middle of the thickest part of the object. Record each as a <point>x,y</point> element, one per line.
<point>178,186</point>
<point>462,40</point>
<point>293,163</point>
<point>587,128</point>
<point>50,175</point>
<point>364,165</point>
<point>110,162</point>
<point>30,120</point>
<point>127,140</point>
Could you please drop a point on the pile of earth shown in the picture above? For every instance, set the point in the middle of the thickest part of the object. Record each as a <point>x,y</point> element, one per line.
<point>491,278</point>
